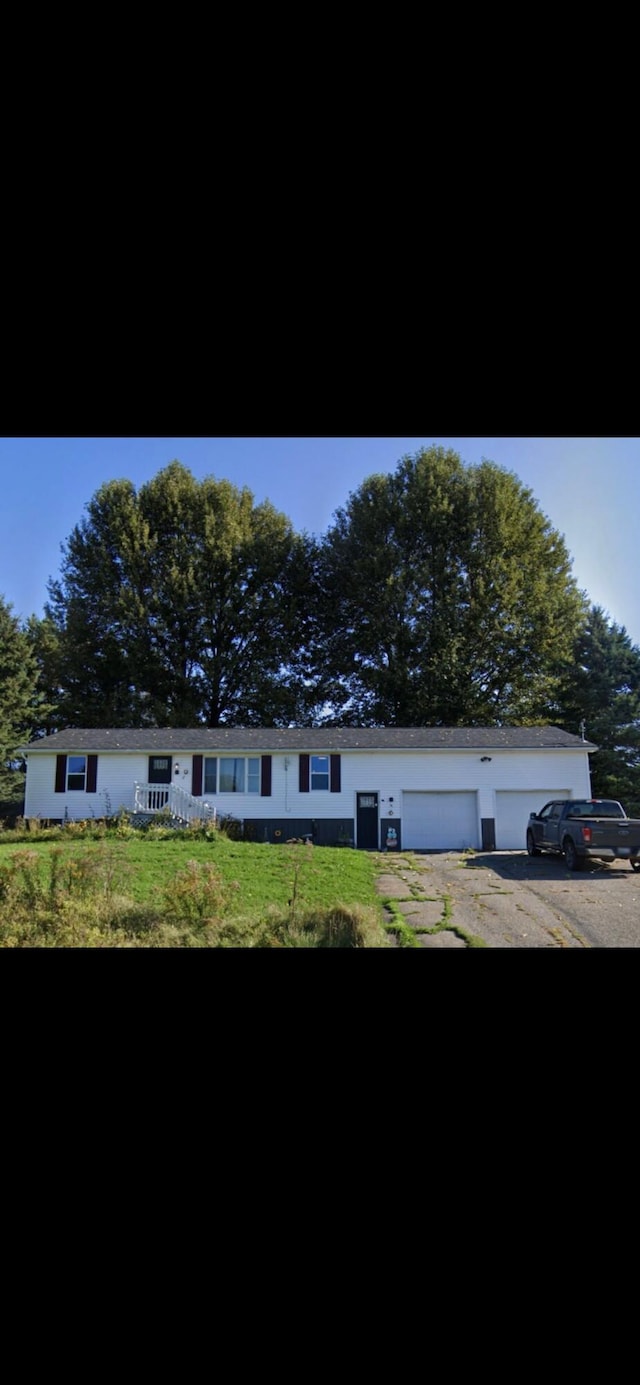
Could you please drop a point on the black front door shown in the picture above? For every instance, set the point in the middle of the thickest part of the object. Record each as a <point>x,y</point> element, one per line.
<point>367,821</point>
<point>159,769</point>
<point>159,773</point>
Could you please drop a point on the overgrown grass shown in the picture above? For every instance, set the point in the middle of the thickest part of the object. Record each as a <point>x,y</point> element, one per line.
<point>184,891</point>
<point>264,873</point>
<point>405,935</point>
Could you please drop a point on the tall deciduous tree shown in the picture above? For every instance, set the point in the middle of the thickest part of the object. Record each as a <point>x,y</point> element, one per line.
<point>446,598</point>
<point>180,604</point>
<point>21,704</point>
<point>601,692</point>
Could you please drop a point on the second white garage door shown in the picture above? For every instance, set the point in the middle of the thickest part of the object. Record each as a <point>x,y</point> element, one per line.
<point>512,814</point>
<point>439,821</point>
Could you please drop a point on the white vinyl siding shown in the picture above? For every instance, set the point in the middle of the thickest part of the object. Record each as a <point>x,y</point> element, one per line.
<point>392,774</point>
<point>512,814</point>
<point>439,821</point>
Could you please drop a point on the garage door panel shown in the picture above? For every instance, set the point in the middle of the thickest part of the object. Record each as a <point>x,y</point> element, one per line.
<point>439,821</point>
<point>513,807</point>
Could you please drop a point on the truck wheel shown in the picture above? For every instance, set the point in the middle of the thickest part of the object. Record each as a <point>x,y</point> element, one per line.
<point>635,865</point>
<point>532,849</point>
<point>571,857</point>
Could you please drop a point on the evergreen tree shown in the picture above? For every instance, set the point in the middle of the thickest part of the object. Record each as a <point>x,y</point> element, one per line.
<point>21,705</point>
<point>601,692</point>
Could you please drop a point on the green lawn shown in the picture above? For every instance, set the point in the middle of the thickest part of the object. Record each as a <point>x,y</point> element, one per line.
<point>264,873</point>
<point>136,890</point>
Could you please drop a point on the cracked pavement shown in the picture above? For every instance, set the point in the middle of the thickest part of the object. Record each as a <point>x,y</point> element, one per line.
<point>506,899</point>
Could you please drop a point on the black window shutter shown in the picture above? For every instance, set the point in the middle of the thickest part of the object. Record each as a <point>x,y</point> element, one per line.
<point>334,781</point>
<point>61,773</point>
<point>303,762</point>
<point>265,777</point>
<point>196,775</point>
<point>92,773</point>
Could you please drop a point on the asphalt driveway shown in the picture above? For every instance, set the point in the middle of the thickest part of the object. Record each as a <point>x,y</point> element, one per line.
<point>507,899</point>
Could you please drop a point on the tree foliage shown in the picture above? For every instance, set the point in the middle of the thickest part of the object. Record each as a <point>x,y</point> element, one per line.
<point>446,598</point>
<point>179,604</point>
<point>440,595</point>
<point>21,703</point>
<point>43,637</point>
<point>601,691</point>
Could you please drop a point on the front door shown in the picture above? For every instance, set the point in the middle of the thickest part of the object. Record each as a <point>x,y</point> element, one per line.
<point>159,769</point>
<point>159,773</point>
<point>367,821</point>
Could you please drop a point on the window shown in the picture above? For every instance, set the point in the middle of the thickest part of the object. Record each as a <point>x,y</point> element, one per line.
<point>237,774</point>
<point>76,772</point>
<point>320,772</point>
<point>213,774</point>
<point>231,776</point>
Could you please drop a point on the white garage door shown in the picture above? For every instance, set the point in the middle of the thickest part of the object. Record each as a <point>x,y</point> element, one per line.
<point>439,821</point>
<point>512,814</point>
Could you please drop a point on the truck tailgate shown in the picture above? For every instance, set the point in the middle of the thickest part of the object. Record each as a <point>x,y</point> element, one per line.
<point>623,837</point>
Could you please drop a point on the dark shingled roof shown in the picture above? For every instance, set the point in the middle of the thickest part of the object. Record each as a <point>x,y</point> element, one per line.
<point>317,738</point>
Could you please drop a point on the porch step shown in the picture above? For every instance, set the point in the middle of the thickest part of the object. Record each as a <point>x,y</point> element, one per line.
<point>152,800</point>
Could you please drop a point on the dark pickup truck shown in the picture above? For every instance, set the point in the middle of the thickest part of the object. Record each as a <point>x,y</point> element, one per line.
<point>585,829</point>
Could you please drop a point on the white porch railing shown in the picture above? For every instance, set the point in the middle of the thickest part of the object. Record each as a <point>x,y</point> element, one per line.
<point>158,798</point>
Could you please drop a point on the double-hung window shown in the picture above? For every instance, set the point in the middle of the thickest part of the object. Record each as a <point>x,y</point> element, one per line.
<point>76,772</point>
<point>320,772</point>
<point>253,775</point>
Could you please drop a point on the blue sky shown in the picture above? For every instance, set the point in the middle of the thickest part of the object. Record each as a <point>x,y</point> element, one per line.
<point>587,487</point>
